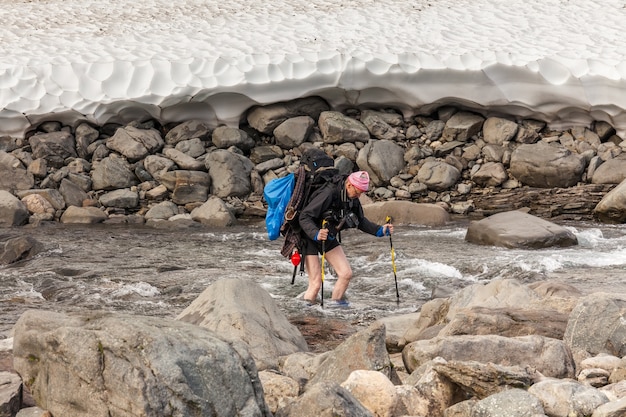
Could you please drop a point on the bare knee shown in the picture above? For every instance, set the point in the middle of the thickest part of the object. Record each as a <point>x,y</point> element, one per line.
<point>345,274</point>
<point>339,262</point>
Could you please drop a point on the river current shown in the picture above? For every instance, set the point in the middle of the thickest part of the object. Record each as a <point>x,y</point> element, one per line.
<point>160,271</point>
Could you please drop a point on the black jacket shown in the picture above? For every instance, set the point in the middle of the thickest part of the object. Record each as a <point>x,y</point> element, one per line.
<point>332,203</point>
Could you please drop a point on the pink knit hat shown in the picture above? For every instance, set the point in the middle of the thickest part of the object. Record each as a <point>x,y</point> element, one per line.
<point>360,179</point>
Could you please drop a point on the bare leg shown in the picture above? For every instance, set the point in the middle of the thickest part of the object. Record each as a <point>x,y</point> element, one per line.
<point>337,258</point>
<point>314,272</point>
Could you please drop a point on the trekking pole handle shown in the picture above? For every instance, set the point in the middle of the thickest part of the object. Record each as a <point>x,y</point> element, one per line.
<point>324,227</point>
<point>388,220</point>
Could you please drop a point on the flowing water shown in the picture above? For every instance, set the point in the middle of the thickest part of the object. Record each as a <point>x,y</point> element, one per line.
<point>159,272</point>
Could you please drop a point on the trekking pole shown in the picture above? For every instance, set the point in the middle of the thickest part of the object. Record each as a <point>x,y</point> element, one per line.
<point>393,260</point>
<point>324,222</point>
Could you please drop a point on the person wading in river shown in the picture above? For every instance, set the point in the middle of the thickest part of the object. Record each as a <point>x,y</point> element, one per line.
<point>335,206</point>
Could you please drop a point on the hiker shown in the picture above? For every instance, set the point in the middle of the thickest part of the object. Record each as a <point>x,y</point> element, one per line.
<point>338,204</point>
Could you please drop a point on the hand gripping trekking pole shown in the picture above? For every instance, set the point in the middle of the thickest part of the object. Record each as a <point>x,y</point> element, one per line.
<point>324,222</point>
<point>393,260</point>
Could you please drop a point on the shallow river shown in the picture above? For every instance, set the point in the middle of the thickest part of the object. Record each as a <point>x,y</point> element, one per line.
<point>158,272</point>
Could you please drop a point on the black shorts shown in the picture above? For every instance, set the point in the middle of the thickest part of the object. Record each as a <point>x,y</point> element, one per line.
<point>311,247</point>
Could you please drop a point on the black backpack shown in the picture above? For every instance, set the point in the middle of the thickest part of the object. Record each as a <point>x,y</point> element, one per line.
<point>317,169</point>
<point>320,170</point>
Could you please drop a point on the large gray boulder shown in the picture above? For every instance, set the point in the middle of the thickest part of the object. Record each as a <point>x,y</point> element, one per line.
<point>38,205</point>
<point>12,211</point>
<point>187,186</point>
<point>111,173</point>
<point>15,178</point>
<point>122,198</point>
<point>278,389</point>
<point>406,213</point>
<point>19,248</point>
<point>241,310</point>
<point>546,166</point>
<point>490,174</point>
<point>265,153</point>
<point>462,126</point>
<point>505,307</point>
<point>191,129</point>
<point>192,147</point>
<point>54,197</point>
<point>364,350</point>
<point>230,173</point>
<point>568,398</point>
<point>395,328</point>
<point>497,293</point>
<point>480,380</point>
<point>83,215</point>
<point>551,357</point>
<point>516,229</point>
<point>214,212</point>
<point>85,136</point>
<point>438,175</point>
<point>13,174</point>
<point>224,137</point>
<point>293,132</point>
<point>134,143</point>
<point>163,211</point>
<point>497,130</point>
<point>374,390</point>
<point>383,159</point>
<point>434,130</point>
<point>325,399</point>
<point>507,321</point>
<point>596,325</point>
<point>266,118</point>
<point>72,194</point>
<point>528,131</point>
<point>612,207</point>
<point>337,128</point>
<point>515,402</point>
<point>427,392</point>
<point>158,165</point>
<point>612,171</point>
<point>54,147</point>
<point>183,160</point>
<point>107,364</point>
<point>10,394</point>
<point>382,125</point>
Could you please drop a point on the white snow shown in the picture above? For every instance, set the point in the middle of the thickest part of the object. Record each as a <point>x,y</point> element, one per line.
<point>561,61</point>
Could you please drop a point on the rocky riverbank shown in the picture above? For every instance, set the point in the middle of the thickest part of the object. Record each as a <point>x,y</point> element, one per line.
<point>465,162</point>
<point>502,348</point>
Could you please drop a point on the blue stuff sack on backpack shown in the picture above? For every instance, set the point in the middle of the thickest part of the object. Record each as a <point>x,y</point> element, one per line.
<point>277,194</point>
